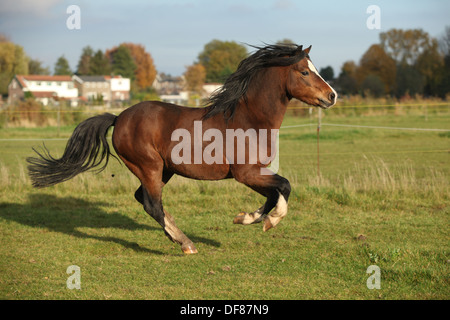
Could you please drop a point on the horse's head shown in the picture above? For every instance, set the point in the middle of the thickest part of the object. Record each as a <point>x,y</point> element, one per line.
<point>305,84</point>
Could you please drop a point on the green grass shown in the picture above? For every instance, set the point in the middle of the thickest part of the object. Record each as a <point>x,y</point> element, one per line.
<point>382,198</point>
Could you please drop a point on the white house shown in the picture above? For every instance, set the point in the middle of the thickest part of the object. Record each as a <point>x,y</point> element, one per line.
<point>120,88</point>
<point>209,88</point>
<point>43,88</point>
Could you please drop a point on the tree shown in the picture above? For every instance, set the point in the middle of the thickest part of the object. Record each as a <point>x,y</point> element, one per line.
<point>417,49</point>
<point>99,64</point>
<point>346,81</point>
<point>221,59</point>
<point>372,85</point>
<point>35,67</point>
<point>13,60</point>
<point>122,62</point>
<point>327,73</point>
<point>144,72</point>
<point>444,42</point>
<point>430,63</point>
<point>195,76</point>
<point>405,46</point>
<point>376,62</point>
<point>285,41</point>
<point>84,68</point>
<point>443,88</point>
<point>408,81</point>
<point>62,67</point>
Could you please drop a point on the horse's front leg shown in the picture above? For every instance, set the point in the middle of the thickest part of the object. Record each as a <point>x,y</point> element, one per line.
<point>274,187</point>
<point>249,218</point>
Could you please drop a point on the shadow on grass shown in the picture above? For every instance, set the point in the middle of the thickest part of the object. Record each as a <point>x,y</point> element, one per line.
<point>67,214</point>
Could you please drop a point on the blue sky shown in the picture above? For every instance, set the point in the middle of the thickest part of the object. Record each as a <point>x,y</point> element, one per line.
<point>175,31</point>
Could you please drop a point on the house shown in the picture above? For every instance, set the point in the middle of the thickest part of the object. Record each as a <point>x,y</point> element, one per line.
<point>210,88</point>
<point>120,88</point>
<point>171,89</point>
<point>43,88</point>
<point>92,87</point>
<point>110,88</point>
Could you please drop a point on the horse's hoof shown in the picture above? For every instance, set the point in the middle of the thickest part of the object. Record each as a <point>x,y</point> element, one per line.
<point>239,219</point>
<point>267,224</point>
<point>189,249</point>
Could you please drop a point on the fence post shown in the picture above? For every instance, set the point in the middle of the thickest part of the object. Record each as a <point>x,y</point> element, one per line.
<point>319,116</point>
<point>58,117</point>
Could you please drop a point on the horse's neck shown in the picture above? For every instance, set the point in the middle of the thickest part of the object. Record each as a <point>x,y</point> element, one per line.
<point>266,100</point>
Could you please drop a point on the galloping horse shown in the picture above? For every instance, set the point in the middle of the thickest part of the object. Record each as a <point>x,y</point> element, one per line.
<point>252,100</point>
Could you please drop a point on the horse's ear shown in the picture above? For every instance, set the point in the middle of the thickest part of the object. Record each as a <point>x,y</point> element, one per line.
<point>299,50</point>
<point>307,50</point>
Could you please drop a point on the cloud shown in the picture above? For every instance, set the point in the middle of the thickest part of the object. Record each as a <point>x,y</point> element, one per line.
<point>33,7</point>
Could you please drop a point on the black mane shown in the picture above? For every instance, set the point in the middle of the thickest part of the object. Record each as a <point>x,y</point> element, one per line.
<point>235,87</point>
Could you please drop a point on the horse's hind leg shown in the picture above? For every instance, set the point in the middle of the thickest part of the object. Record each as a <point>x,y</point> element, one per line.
<point>153,206</point>
<point>150,195</point>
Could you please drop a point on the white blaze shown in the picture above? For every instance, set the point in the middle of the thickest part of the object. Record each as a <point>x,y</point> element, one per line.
<point>313,69</point>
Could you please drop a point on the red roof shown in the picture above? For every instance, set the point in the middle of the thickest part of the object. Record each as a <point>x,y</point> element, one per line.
<point>32,77</point>
<point>36,77</point>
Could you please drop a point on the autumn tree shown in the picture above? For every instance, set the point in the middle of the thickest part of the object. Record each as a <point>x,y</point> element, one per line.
<point>13,60</point>
<point>377,63</point>
<point>195,76</point>
<point>144,72</point>
<point>221,59</point>
<point>405,46</point>
<point>62,67</point>
<point>415,52</point>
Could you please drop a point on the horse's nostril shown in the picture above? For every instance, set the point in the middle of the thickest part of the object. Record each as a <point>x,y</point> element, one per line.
<point>332,96</point>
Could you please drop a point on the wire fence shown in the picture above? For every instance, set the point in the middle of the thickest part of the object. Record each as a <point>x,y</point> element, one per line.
<point>436,107</point>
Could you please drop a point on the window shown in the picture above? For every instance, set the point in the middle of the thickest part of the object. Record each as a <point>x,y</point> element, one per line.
<point>49,84</point>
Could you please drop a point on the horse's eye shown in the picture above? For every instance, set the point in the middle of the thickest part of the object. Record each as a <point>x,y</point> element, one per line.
<point>305,73</point>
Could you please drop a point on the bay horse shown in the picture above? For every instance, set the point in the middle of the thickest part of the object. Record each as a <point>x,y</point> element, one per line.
<point>253,99</point>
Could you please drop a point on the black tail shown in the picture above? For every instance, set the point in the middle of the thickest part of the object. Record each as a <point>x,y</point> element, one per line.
<point>86,149</point>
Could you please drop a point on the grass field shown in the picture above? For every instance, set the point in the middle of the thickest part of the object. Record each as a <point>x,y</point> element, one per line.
<point>382,198</point>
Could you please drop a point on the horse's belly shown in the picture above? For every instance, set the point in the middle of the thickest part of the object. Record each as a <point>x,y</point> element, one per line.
<point>202,171</point>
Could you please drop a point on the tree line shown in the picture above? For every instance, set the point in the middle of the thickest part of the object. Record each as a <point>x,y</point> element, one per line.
<point>404,62</point>
<point>127,59</point>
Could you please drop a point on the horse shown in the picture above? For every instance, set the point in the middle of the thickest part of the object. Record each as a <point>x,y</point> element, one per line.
<point>253,99</point>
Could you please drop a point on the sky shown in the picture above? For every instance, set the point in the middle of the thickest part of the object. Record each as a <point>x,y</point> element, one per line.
<point>174,32</point>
